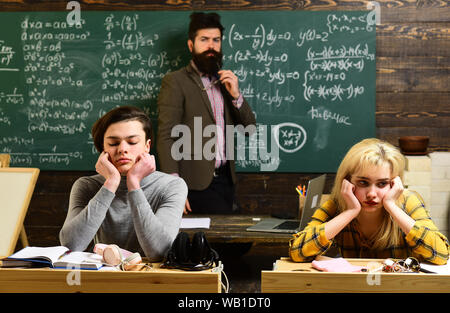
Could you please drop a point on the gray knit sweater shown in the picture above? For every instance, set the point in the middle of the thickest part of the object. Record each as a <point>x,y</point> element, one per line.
<point>144,220</point>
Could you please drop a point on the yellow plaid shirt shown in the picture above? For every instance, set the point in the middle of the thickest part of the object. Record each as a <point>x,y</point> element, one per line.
<point>424,241</point>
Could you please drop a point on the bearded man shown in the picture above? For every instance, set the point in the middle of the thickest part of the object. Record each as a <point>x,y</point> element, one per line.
<point>200,97</point>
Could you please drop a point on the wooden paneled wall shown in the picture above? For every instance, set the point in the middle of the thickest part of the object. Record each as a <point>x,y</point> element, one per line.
<point>412,93</point>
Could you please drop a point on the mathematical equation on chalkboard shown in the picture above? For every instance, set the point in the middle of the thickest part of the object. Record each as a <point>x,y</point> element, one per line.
<point>56,79</point>
<point>327,78</point>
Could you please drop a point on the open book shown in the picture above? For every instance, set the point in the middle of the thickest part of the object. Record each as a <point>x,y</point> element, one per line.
<point>56,257</point>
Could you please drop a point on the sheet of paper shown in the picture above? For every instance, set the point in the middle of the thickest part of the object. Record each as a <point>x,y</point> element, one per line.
<point>78,257</point>
<point>438,269</point>
<point>314,201</point>
<point>195,222</point>
<point>79,260</point>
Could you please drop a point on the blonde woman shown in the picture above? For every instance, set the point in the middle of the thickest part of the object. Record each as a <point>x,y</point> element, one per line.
<point>370,214</point>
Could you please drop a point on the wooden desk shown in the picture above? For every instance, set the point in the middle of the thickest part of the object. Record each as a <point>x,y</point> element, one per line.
<point>232,229</point>
<point>289,276</point>
<point>156,280</point>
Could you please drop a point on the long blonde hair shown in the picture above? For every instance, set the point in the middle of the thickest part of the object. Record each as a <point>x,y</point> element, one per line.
<point>371,152</point>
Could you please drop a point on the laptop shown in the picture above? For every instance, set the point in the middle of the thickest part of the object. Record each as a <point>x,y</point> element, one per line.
<point>312,201</point>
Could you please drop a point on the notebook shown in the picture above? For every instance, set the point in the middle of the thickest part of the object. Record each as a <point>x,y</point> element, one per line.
<point>312,201</point>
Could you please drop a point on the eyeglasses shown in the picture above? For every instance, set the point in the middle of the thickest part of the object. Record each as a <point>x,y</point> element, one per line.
<point>409,265</point>
<point>210,85</point>
<point>207,87</point>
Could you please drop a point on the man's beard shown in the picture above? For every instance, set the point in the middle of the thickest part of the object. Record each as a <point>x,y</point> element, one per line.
<point>208,64</point>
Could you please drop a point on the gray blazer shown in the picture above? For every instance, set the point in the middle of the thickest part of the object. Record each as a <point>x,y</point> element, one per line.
<point>180,100</point>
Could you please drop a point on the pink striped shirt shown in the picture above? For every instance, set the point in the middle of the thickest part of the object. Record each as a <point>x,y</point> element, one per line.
<point>216,99</point>
<point>217,104</point>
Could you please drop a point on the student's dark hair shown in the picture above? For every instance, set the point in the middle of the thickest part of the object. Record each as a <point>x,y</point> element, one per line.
<point>119,114</point>
<point>200,20</point>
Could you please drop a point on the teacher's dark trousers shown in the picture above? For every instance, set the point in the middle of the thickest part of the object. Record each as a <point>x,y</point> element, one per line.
<point>218,198</point>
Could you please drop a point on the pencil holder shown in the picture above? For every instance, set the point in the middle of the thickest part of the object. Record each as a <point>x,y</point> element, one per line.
<point>301,205</point>
<point>4,160</point>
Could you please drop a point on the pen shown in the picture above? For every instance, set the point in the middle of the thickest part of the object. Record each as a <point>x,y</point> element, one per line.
<point>64,254</point>
<point>426,271</point>
<point>304,190</point>
<point>299,191</point>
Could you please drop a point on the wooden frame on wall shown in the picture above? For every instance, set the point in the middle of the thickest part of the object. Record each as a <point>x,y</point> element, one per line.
<point>16,189</point>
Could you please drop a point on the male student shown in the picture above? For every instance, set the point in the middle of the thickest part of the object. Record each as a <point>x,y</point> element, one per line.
<point>199,96</point>
<point>128,202</point>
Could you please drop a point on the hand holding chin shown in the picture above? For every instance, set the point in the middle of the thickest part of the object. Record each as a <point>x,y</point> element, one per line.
<point>144,165</point>
<point>396,190</point>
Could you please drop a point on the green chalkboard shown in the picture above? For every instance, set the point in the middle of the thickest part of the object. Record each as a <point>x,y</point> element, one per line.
<point>308,76</point>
